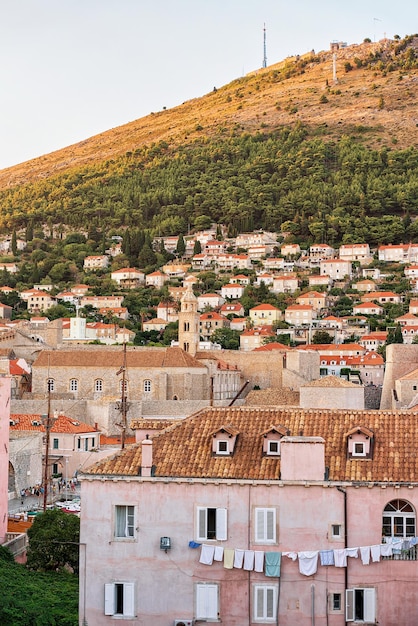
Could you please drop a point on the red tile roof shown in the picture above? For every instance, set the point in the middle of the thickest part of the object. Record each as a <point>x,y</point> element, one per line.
<point>62,424</point>
<point>185,449</point>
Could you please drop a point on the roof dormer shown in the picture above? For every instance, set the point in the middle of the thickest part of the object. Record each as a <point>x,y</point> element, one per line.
<point>223,440</point>
<point>271,440</point>
<point>359,443</point>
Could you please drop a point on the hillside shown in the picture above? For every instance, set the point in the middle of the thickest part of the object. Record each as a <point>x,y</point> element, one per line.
<point>285,148</point>
<point>374,102</point>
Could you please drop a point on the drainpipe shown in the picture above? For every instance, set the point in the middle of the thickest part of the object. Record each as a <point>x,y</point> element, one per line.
<point>343,491</point>
<point>312,605</point>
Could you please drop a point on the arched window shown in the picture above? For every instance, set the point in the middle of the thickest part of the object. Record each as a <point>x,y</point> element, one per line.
<point>98,385</point>
<point>123,387</point>
<point>73,384</point>
<point>147,386</point>
<point>398,519</point>
<point>50,384</point>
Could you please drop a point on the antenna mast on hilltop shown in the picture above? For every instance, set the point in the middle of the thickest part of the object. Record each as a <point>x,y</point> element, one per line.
<point>265,46</point>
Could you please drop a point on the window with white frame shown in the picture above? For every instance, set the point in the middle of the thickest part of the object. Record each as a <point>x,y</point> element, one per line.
<point>398,519</point>
<point>98,385</point>
<point>207,601</point>
<point>73,384</point>
<point>50,384</point>
<point>211,523</point>
<point>273,447</point>
<point>265,525</point>
<point>359,448</point>
<point>124,521</point>
<point>222,446</point>
<point>336,531</point>
<point>120,599</point>
<point>123,387</point>
<point>360,605</point>
<point>147,386</point>
<point>336,604</point>
<point>265,603</point>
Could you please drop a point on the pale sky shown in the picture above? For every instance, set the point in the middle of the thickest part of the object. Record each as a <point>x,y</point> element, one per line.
<point>71,69</point>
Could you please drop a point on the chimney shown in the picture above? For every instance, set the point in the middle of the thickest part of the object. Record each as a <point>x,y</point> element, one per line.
<point>302,458</point>
<point>146,460</point>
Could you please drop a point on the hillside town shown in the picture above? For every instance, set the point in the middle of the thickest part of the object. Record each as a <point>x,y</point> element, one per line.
<point>288,382</point>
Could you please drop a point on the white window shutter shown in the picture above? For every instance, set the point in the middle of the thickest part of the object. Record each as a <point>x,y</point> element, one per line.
<point>270,602</point>
<point>129,599</point>
<point>202,523</point>
<point>259,524</point>
<point>259,602</point>
<point>221,525</point>
<point>271,525</point>
<point>369,605</point>
<point>109,599</point>
<point>349,605</point>
<point>206,601</point>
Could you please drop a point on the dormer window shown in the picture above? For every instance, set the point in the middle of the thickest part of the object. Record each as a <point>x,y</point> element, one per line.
<point>222,447</point>
<point>224,440</point>
<point>271,440</point>
<point>273,447</point>
<point>360,443</point>
<point>359,448</point>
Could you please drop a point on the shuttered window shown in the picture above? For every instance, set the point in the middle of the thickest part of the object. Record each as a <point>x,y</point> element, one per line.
<point>360,605</point>
<point>120,599</point>
<point>207,601</point>
<point>211,524</point>
<point>265,603</point>
<point>265,525</point>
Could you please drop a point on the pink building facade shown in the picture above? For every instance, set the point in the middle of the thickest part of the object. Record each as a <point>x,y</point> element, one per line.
<point>5,384</point>
<point>255,516</point>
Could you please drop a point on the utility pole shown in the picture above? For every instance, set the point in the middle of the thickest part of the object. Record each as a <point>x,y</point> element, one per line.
<point>48,422</point>
<point>123,406</point>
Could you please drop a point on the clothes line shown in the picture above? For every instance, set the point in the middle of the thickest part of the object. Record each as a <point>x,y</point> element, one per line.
<point>269,562</point>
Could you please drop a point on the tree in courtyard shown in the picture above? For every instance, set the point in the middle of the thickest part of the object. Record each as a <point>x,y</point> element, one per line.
<point>53,542</point>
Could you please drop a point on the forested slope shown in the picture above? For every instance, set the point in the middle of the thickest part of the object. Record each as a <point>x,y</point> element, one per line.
<point>279,149</point>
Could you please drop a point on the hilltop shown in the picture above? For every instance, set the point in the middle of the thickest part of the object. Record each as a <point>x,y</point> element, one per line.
<point>373,100</point>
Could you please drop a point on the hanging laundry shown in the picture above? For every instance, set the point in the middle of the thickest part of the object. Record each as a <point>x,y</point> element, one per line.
<point>238,558</point>
<point>327,557</point>
<point>352,552</point>
<point>258,561</point>
<point>206,554</point>
<point>272,562</point>
<point>365,555</point>
<point>291,555</point>
<point>375,552</point>
<point>194,544</point>
<point>308,562</point>
<point>219,553</point>
<point>386,549</point>
<point>249,560</point>
<point>229,558</point>
<point>340,558</point>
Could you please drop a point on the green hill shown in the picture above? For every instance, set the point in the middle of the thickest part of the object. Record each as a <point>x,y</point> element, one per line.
<point>284,148</point>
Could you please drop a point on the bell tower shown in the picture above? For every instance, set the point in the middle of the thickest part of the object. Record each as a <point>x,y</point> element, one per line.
<point>189,322</point>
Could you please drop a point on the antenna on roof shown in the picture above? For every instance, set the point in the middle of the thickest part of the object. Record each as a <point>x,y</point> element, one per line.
<point>265,46</point>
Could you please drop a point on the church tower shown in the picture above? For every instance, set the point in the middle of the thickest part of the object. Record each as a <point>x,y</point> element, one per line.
<point>189,322</point>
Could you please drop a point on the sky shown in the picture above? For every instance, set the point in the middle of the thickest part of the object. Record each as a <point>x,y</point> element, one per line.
<point>71,69</point>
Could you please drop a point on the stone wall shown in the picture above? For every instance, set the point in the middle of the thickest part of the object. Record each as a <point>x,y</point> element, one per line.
<point>401,359</point>
<point>25,456</point>
<point>332,397</point>
<point>260,368</point>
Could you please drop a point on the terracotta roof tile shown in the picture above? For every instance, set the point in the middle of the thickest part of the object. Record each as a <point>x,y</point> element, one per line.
<point>185,448</point>
<point>63,424</point>
<point>105,357</point>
